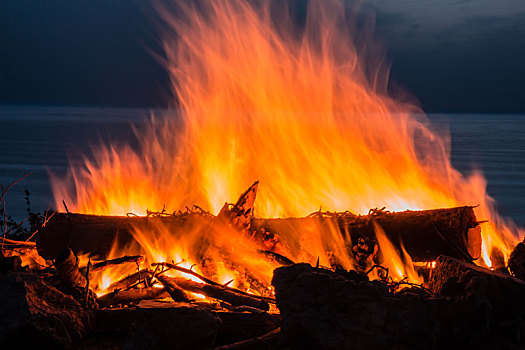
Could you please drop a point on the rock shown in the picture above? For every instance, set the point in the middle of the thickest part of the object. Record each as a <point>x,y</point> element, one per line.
<point>182,326</point>
<point>517,261</point>
<point>35,314</point>
<point>9,264</point>
<point>326,310</point>
<point>484,307</point>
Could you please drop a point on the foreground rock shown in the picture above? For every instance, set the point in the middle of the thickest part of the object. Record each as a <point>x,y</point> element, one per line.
<point>184,326</point>
<point>482,305</point>
<point>472,308</point>
<point>517,261</point>
<point>323,309</point>
<point>35,314</point>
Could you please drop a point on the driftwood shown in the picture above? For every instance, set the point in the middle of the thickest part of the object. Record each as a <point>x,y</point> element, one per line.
<point>131,295</point>
<point>425,234</point>
<point>222,293</point>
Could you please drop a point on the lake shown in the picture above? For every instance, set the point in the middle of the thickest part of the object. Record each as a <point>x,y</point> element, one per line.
<point>41,139</point>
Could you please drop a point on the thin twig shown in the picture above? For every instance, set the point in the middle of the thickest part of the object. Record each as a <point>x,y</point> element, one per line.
<point>46,220</point>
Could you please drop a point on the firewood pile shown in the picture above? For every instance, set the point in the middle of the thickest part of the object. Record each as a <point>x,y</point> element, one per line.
<point>460,305</point>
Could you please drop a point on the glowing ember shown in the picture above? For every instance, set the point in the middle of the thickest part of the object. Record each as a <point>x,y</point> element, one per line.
<point>303,110</point>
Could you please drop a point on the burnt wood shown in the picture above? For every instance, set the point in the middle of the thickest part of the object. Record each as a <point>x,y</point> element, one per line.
<point>425,234</point>
<point>129,296</point>
<point>221,293</point>
<point>176,293</point>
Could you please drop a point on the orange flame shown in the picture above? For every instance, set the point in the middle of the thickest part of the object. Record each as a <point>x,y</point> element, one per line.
<point>303,110</point>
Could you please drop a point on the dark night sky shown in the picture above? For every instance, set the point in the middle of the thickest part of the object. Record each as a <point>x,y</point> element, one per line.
<point>455,56</point>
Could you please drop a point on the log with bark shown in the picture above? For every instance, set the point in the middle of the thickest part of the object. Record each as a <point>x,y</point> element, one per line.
<point>425,234</point>
<point>95,234</point>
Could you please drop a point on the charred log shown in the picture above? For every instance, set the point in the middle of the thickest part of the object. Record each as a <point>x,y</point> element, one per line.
<point>130,280</point>
<point>134,295</point>
<point>222,293</point>
<point>241,213</point>
<point>113,262</point>
<point>176,293</point>
<point>425,234</point>
<point>96,234</point>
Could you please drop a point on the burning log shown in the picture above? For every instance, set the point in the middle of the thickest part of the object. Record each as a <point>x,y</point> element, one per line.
<point>128,296</point>
<point>222,293</point>
<point>241,213</point>
<point>113,262</point>
<point>176,293</point>
<point>425,234</point>
<point>281,259</point>
<point>128,281</point>
<point>96,234</point>
<point>211,282</point>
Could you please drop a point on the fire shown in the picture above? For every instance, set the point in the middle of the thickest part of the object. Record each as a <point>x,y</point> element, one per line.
<point>305,110</point>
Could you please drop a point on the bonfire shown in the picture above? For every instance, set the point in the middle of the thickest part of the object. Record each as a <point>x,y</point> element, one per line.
<point>291,202</point>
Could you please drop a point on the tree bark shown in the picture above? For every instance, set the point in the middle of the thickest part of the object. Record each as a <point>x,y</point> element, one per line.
<point>425,234</point>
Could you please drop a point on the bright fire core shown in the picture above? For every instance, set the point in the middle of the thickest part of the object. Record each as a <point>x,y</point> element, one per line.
<point>300,106</point>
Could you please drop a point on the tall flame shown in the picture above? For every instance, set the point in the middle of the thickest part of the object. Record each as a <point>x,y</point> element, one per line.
<point>301,107</point>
